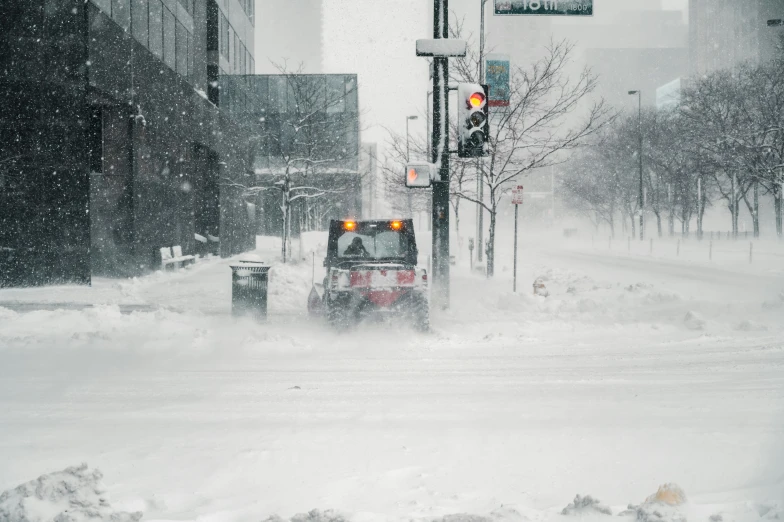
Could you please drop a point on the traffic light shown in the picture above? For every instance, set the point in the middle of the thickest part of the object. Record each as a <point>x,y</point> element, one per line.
<point>473,119</point>
<point>418,175</point>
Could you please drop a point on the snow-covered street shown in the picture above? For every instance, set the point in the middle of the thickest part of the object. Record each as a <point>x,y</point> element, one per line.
<point>635,372</point>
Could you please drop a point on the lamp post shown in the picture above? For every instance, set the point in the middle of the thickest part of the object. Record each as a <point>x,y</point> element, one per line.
<point>639,131</point>
<point>409,118</point>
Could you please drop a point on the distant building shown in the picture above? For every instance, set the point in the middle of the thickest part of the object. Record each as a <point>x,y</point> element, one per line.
<point>305,127</point>
<point>370,181</point>
<point>111,148</point>
<point>622,70</point>
<point>726,33</point>
<point>668,96</point>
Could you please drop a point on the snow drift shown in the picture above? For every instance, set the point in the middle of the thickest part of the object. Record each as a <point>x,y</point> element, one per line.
<point>75,494</point>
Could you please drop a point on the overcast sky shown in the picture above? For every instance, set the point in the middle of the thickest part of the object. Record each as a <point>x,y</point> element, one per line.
<point>376,40</point>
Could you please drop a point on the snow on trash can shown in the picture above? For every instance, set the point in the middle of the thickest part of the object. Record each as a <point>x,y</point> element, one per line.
<point>249,284</point>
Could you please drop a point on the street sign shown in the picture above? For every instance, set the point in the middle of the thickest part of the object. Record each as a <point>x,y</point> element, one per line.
<point>517,195</point>
<point>497,75</point>
<point>544,7</point>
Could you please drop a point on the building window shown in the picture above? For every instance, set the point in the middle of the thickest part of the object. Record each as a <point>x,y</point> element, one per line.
<point>224,37</point>
<point>169,46</point>
<point>182,49</point>
<point>140,21</point>
<point>156,28</point>
<point>120,13</point>
<point>236,60</point>
<point>336,94</point>
<point>191,74</point>
<point>95,140</point>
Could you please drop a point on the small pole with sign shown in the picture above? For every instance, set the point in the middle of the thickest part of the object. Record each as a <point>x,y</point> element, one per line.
<point>517,200</point>
<point>471,252</point>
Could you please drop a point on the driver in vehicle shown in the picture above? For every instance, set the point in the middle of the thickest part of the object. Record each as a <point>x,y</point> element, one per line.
<point>356,248</point>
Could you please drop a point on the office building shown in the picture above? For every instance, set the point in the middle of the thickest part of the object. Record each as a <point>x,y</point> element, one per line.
<point>113,139</point>
<point>726,33</point>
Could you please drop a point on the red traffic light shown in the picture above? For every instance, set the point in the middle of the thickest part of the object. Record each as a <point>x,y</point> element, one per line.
<point>476,100</point>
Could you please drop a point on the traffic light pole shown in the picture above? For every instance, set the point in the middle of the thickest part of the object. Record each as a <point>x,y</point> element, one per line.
<point>440,156</point>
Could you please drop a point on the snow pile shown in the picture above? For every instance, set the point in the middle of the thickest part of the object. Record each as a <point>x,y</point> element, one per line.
<point>315,515</point>
<point>289,286</point>
<point>662,506</point>
<point>72,495</point>
<point>693,321</point>
<point>587,504</point>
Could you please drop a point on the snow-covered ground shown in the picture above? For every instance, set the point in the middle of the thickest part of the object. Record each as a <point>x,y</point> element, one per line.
<point>638,370</point>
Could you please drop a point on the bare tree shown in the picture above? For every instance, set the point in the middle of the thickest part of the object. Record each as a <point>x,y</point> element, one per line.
<point>533,132</point>
<point>308,151</point>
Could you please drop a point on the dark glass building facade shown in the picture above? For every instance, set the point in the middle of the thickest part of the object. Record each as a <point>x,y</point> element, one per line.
<point>114,141</point>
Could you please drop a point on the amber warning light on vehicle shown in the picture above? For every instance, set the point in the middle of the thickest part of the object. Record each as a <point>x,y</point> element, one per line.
<point>396,225</point>
<point>418,175</point>
<point>349,225</point>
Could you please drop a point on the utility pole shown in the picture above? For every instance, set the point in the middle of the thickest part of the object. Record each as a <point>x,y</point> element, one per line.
<point>440,156</point>
<point>480,214</point>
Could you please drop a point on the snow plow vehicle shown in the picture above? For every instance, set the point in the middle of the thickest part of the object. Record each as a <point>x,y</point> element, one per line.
<point>372,271</point>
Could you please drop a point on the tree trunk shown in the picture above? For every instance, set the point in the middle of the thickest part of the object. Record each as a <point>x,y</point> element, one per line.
<point>755,214</point>
<point>491,244</point>
<point>734,207</point>
<point>657,213</point>
<point>634,224</point>
<point>671,222</point>
<point>778,196</point>
<point>283,237</point>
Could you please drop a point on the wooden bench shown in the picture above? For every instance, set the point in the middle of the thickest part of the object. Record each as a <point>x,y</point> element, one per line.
<point>173,257</point>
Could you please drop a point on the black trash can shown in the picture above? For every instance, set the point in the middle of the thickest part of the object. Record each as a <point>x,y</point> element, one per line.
<point>249,284</point>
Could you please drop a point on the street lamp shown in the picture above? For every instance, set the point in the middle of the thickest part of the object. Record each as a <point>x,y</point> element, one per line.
<point>639,131</point>
<point>409,118</point>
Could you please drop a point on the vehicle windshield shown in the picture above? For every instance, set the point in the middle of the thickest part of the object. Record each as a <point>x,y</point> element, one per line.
<point>371,243</point>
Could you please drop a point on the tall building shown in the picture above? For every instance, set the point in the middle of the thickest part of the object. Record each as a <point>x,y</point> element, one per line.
<point>279,45</point>
<point>630,45</point>
<point>113,140</point>
<point>726,33</point>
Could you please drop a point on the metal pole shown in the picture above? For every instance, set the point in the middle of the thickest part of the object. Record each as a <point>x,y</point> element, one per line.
<point>514,269</point>
<point>480,214</point>
<point>639,116</point>
<point>440,215</point>
<point>408,156</point>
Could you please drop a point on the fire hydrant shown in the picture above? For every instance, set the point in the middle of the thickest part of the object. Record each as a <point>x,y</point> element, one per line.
<point>539,288</point>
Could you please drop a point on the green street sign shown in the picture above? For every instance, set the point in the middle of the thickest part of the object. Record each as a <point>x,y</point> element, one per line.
<point>544,7</point>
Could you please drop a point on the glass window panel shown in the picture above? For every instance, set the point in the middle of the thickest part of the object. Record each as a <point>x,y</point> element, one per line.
<point>139,21</point>
<point>236,60</point>
<point>224,37</point>
<point>336,97</point>
<point>277,93</point>
<point>182,49</point>
<point>156,28</point>
<point>121,13</point>
<point>169,46</point>
<point>104,5</point>
<point>351,94</point>
<point>190,57</point>
<point>230,54</point>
